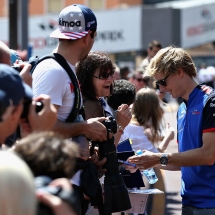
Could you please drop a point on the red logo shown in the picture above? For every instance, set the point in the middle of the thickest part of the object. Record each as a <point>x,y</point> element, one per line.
<point>71,87</point>
<point>206,89</point>
<point>195,112</point>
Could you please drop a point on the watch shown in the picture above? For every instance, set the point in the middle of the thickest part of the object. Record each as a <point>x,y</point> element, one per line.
<point>164,159</point>
<point>120,129</point>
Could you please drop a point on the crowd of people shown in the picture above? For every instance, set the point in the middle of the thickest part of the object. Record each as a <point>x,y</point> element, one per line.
<point>206,74</point>
<point>51,116</point>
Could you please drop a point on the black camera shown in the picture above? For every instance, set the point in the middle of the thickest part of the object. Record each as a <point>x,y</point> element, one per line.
<point>41,184</point>
<point>17,67</point>
<point>116,196</point>
<point>110,124</point>
<point>26,105</point>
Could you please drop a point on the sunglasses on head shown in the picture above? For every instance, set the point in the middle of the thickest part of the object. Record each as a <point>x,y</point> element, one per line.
<point>105,76</point>
<point>162,82</point>
<point>145,80</point>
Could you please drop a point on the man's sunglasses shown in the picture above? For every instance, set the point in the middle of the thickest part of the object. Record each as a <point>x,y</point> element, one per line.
<point>104,76</point>
<point>162,82</point>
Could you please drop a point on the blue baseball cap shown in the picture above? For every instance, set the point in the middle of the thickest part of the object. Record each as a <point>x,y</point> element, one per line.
<point>75,22</point>
<point>12,87</point>
<point>3,103</point>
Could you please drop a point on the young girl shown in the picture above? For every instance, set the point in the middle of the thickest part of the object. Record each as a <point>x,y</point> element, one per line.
<point>146,128</point>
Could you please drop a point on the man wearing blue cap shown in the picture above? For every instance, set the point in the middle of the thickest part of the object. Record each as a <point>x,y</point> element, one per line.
<point>13,92</point>
<point>76,33</point>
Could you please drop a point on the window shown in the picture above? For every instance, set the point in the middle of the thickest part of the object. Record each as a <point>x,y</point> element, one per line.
<point>54,6</point>
<point>95,4</point>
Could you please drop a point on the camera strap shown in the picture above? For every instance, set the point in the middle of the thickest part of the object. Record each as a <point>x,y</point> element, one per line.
<point>106,110</point>
<point>76,109</point>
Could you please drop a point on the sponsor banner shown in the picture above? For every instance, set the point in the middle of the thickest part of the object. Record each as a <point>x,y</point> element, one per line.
<point>117,31</point>
<point>197,25</point>
<point>39,28</point>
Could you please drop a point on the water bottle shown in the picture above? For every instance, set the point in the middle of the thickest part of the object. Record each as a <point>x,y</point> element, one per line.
<point>149,173</point>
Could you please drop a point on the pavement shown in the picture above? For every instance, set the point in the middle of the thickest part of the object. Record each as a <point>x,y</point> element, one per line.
<point>172,179</point>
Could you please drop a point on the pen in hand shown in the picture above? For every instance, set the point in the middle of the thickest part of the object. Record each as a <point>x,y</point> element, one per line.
<point>126,163</point>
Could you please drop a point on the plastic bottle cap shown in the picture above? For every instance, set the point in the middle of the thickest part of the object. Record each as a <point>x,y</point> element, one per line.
<point>139,152</point>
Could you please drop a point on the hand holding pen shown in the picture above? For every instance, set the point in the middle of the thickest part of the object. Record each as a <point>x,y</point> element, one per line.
<point>126,163</point>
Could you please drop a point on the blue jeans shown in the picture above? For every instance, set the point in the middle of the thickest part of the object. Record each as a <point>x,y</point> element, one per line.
<point>190,210</point>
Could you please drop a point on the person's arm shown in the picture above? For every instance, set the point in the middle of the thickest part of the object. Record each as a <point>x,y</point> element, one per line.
<point>93,129</point>
<point>169,135</point>
<point>204,155</point>
<point>25,72</point>
<point>123,117</point>
<point>57,205</point>
<point>168,167</point>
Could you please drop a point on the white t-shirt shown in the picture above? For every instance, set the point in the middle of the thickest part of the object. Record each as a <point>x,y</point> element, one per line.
<point>51,79</point>
<point>138,138</point>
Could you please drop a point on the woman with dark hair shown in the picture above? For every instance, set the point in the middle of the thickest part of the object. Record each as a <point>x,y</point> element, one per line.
<point>95,74</point>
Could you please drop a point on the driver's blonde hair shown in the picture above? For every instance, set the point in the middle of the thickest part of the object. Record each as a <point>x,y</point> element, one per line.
<point>169,60</point>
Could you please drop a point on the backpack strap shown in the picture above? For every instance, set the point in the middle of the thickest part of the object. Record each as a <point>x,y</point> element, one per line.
<point>77,104</point>
<point>61,60</point>
<point>35,60</point>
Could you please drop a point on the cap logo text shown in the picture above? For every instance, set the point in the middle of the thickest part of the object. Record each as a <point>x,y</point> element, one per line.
<point>69,24</point>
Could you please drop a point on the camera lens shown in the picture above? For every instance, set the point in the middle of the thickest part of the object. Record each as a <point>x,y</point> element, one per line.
<point>39,106</point>
<point>26,104</point>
